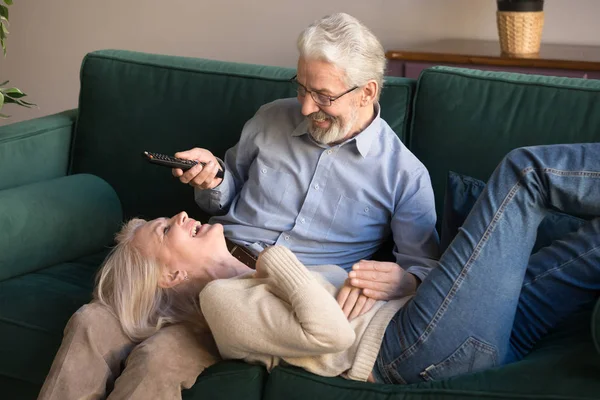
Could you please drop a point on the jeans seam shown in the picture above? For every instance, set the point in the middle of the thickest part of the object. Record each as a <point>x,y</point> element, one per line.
<point>465,270</point>
<point>559,267</point>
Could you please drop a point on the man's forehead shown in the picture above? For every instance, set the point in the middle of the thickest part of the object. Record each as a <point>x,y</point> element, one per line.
<point>327,77</point>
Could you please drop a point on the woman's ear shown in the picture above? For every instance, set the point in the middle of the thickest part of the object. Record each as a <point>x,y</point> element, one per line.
<point>170,279</point>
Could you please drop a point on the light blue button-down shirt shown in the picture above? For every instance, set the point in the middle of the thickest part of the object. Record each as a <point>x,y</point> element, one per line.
<point>328,204</point>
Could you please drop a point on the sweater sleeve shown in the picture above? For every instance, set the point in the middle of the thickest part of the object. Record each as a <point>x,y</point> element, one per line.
<point>285,313</point>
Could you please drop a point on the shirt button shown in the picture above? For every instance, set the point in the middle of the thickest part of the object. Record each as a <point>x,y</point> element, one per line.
<point>286,237</point>
<point>329,151</point>
<point>317,187</point>
<point>264,170</point>
<point>366,209</point>
<point>302,221</point>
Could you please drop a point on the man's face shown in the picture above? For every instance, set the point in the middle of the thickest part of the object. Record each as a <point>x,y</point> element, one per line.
<point>327,124</point>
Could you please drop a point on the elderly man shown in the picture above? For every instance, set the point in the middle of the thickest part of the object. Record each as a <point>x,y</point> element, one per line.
<point>323,175</point>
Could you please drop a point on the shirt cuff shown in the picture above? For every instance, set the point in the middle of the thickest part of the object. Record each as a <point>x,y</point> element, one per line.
<point>419,271</point>
<point>215,199</point>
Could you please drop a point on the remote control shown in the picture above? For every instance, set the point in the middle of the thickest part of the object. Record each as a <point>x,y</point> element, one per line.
<point>173,162</point>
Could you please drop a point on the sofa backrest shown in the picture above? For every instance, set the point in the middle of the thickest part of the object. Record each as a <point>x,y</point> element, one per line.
<point>467,120</point>
<point>133,102</point>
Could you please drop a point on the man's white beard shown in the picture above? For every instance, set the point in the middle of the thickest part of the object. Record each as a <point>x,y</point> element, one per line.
<point>337,129</point>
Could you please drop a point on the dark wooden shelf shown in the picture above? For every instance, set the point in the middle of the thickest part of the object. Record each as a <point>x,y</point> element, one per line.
<point>479,52</point>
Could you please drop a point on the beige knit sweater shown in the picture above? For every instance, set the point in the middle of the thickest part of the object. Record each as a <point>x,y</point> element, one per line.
<point>284,312</point>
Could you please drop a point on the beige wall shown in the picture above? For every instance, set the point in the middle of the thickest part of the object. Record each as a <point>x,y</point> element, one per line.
<point>48,39</point>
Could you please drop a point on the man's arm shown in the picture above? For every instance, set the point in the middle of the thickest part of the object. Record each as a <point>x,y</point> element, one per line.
<point>416,246</point>
<point>214,195</point>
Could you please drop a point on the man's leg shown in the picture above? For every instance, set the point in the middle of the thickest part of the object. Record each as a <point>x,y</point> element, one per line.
<point>89,358</point>
<point>462,316</point>
<point>164,364</point>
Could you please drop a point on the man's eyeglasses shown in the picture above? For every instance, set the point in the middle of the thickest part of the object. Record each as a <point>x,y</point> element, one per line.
<point>319,98</point>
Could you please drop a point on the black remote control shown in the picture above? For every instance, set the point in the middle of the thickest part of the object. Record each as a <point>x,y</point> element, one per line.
<point>173,162</point>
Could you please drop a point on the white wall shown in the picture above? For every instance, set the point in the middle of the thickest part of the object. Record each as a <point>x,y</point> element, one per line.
<point>49,38</point>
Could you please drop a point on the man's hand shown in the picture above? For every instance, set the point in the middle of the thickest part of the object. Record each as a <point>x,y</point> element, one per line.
<point>382,280</point>
<point>353,302</point>
<point>199,176</point>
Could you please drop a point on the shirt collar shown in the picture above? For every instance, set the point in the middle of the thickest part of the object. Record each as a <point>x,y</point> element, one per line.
<point>363,140</point>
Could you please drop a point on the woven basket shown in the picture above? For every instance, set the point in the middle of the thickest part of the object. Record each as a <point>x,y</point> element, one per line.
<point>520,32</point>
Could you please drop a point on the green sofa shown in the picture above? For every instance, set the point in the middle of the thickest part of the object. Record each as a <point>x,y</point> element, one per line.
<point>68,180</point>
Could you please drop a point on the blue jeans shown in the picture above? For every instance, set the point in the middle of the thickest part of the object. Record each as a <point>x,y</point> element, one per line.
<point>489,300</point>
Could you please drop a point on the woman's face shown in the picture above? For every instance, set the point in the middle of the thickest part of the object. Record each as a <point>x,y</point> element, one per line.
<point>180,242</point>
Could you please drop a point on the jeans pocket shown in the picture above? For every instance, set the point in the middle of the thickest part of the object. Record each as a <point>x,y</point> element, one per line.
<point>471,356</point>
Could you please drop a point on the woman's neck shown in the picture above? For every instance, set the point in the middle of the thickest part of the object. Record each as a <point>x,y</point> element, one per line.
<point>226,268</point>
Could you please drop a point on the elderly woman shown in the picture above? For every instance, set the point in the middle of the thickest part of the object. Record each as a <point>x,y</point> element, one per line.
<point>175,270</point>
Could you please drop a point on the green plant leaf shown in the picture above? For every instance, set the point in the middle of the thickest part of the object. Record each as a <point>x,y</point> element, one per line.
<point>1,100</point>
<point>8,2</point>
<point>3,83</point>
<point>4,12</point>
<point>14,92</point>
<point>4,116</point>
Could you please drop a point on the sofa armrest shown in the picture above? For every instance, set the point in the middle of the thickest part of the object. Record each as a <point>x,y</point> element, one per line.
<point>55,221</point>
<point>35,150</point>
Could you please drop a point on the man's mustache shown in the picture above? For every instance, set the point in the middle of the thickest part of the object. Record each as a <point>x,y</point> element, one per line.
<point>321,115</point>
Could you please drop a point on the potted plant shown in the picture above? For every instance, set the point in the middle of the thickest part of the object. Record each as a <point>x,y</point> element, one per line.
<point>8,94</point>
<point>520,25</point>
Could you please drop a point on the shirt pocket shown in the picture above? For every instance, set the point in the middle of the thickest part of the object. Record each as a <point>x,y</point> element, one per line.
<point>264,190</point>
<point>357,221</point>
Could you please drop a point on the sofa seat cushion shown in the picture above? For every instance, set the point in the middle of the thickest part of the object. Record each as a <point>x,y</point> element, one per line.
<point>228,380</point>
<point>34,309</point>
<point>564,365</point>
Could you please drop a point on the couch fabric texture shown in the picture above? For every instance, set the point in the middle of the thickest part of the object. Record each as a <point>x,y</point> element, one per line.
<point>68,180</point>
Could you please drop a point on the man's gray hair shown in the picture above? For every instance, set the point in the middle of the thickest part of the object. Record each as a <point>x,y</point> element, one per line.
<point>345,42</point>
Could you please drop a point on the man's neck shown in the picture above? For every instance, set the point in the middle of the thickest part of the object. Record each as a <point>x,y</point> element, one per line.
<point>365,117</point>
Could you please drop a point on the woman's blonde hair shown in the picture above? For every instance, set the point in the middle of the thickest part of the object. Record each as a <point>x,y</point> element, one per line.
<point>345,42</point>
<point>127,284</point>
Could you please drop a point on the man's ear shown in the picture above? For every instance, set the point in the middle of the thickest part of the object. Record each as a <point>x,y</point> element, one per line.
<point>170,279</point>
<point>369,93</point>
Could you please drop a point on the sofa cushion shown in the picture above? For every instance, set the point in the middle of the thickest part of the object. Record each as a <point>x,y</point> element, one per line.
<point>466,120</point>
<point>228,380</point>
<point>34,309</point>
<point>133,102</point>
<point>55,221</point>
<point>461,193</point>
<point>563,365</point>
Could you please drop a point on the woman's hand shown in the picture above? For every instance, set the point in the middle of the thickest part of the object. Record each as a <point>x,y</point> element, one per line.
<point>353,302</point>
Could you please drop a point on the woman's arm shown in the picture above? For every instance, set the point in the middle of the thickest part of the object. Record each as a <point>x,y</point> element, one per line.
<point>286,313</point>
